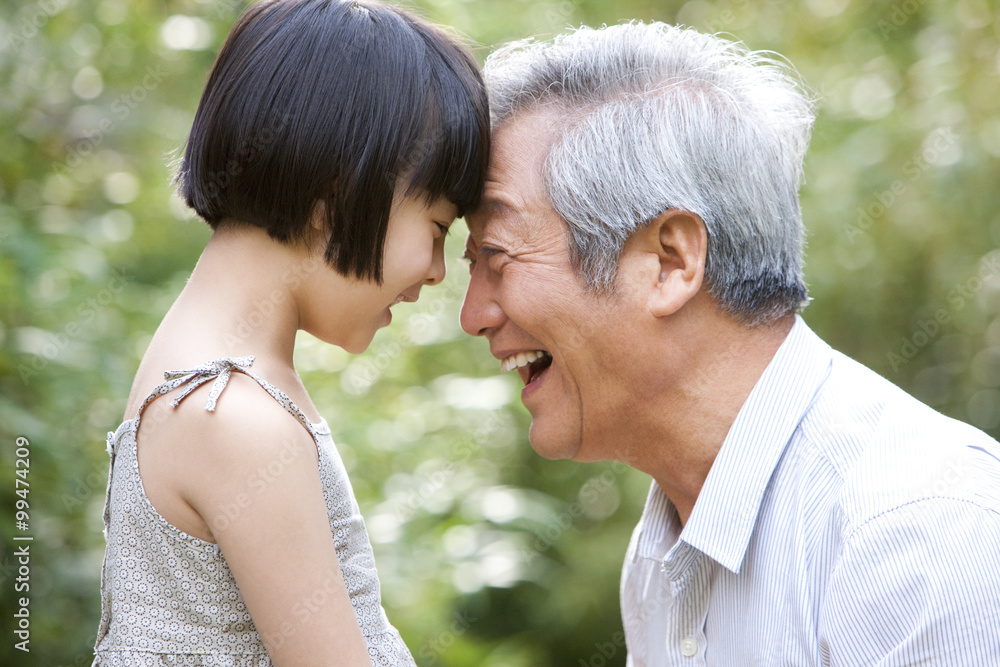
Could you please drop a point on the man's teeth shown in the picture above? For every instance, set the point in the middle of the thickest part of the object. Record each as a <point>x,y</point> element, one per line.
<point>520,359</point>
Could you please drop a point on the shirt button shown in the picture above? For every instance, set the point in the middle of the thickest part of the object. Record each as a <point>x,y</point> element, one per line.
<point>689,647</point>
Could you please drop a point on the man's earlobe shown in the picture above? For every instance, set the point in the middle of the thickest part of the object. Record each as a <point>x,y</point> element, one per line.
<point>680,241</point>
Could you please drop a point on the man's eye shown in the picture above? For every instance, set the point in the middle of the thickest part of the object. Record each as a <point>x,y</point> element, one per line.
<point>485,253</point>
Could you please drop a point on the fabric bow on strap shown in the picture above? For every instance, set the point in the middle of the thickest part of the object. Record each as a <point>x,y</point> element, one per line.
<point>220,369</point>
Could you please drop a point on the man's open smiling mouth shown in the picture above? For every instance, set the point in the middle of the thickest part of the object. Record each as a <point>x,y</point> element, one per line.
<point>529,364</point>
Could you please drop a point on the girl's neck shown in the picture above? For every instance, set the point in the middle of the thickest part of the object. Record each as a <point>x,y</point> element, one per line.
<point>239,299</point>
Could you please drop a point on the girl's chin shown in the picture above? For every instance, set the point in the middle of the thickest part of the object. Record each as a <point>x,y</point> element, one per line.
<point>357,344</point>
<point>357,339</point>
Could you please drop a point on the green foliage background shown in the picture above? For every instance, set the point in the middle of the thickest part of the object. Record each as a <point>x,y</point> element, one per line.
<point>489,555</point>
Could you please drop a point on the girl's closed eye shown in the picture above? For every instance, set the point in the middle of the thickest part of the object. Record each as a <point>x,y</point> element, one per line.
<point>443,227</point>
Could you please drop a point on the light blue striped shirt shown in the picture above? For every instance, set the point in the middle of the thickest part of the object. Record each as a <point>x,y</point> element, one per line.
<point>842,523</point>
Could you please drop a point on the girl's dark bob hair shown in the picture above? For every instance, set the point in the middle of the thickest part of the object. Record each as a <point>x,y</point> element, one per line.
<point>339,102</point>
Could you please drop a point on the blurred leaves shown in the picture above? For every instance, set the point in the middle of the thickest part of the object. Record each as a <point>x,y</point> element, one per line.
<point>489,555</point>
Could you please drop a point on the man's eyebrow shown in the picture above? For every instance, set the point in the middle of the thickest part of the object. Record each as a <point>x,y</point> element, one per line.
<point>489,208</point>
<point>493,206</point>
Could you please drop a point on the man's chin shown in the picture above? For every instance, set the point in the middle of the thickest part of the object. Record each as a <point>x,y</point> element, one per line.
<point>551,445</point>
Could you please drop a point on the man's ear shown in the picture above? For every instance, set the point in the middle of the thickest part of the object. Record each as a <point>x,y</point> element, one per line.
<point>674,246</point>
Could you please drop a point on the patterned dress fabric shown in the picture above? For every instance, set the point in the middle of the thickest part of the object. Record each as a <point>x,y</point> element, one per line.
<point>168,598</point>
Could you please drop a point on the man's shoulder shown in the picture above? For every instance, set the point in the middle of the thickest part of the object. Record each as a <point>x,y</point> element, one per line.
<point>888,449</point>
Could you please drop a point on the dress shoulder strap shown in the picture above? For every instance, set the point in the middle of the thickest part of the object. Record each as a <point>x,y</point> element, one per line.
<point>219,370</point>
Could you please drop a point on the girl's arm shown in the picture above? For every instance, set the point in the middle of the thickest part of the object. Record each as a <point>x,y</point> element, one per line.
<point>256,483</point>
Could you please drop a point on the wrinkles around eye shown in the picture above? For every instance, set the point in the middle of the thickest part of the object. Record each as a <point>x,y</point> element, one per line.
<point>492,256</point>
<point>486,252</point>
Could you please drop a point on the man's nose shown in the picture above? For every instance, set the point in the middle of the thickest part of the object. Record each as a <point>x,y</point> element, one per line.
<point>481,312</point>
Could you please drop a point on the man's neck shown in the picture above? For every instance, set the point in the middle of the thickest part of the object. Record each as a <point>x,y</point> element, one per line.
<point>688,419</point>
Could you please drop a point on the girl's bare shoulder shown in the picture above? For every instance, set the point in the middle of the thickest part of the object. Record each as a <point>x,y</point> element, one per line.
<point>244,418</point>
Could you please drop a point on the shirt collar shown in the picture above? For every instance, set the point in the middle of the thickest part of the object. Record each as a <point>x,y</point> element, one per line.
<point>722,521</point>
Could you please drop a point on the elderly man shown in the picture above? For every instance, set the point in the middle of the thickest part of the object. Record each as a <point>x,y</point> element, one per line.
<point>637,261</point>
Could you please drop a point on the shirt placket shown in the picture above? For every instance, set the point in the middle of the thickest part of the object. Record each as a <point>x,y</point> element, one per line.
<point>686,570</point>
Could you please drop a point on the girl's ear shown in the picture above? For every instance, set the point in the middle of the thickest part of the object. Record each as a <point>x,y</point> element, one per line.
<point>317,219</point>
<point>673,248</point>
<point>318,232</point>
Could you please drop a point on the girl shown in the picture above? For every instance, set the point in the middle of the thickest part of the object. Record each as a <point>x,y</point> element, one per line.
<point>334,144</point>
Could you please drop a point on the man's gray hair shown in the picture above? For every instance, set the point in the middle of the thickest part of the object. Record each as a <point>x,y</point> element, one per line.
<point>653,117</point>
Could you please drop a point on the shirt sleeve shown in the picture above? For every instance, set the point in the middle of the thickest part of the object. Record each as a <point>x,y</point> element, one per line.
<point>919,585</point>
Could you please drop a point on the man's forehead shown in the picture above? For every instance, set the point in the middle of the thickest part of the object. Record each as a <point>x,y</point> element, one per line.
<point>517,232</point>
<point>515,189</point>
<point>489,212</point>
